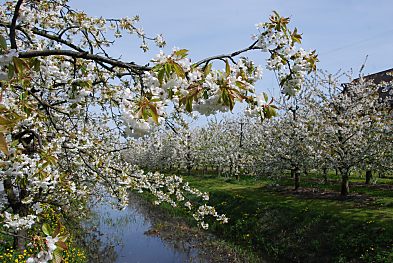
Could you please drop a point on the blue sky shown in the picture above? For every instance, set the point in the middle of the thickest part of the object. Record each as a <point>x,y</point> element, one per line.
<point>342,31</point>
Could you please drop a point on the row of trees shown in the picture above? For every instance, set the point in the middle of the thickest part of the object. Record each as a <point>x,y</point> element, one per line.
<point>328,126</point>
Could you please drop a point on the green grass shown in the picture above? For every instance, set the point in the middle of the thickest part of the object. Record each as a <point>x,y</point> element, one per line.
<point>292,227</point>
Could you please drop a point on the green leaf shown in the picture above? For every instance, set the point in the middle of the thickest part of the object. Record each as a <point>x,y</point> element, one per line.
<point>20,65</point>
<point>189,104</point>
<point>205,95</point>
<point>181,53</point>
<point>3,108</point>
<point>11,71</point>
<point>265,96</point>
<point>5,122</point>
<point>3,43</point>
<point>161,74</point>
<point>208,68</point>
<point>35,64</point>
<point>231,102</point>
<point>270,112</point>
<point>61,245</point>
<point>168,69</point>
<point>179,71</point>
<point>227,68</point>
<point>3,144</point>
<point>58,227</point>
<point>63,238</point>
<point>296,37</point>
<point>154,113</point>
<point>57,256</point>
<point>46,229</point>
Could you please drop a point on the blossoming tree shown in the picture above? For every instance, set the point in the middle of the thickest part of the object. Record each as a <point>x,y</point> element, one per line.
<point>352,127</point>
<point>67,107</point>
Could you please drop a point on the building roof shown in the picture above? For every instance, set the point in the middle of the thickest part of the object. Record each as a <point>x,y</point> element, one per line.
<point>385,81</point>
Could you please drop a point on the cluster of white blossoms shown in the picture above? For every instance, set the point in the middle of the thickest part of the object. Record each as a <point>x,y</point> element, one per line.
<point>16,222</point>
<point>291,63</point>
<point>191,89</point>
<point>205,210</point>
<point>171,189</point>
<point>45,255</point>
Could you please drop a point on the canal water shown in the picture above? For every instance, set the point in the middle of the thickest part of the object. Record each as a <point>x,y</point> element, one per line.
<point>121,237</point>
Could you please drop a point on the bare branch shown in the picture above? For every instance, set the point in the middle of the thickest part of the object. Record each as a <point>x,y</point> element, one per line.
<point>229,56</point>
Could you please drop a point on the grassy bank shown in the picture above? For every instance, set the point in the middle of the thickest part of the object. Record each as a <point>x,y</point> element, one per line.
<point>310,225</point>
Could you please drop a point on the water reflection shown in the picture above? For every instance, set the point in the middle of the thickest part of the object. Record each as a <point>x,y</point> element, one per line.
<point>119,237</point>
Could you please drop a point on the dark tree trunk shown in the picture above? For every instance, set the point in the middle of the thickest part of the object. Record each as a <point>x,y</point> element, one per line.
<point>296,176</point>
<point>369,175</point>
<point>18,208</point>
<point>238,167</point>
<point>218,170</point>
<point>231,167</point>
<point>19,240</point>
<point>325,177</point>
<point>344,182</point>
<point>189,168</point>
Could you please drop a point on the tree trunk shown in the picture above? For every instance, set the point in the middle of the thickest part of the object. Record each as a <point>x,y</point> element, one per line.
<point>344,182</point>
<point>238,167</point>
<point>325,177</point>
<point>231,167</point>
<point>296,174</point>
<point>17,208</point>
<point>292,173</point>
<point>369,175</point>
<point>20,238</point>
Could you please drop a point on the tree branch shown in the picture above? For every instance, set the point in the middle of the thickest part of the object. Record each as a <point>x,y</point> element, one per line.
<point>14,235</point>
<point>13,25</point>
<point>230,56</point>
<point>84,55</point>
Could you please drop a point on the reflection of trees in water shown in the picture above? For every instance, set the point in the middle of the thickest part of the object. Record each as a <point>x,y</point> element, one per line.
<point>101,235</point>
<point>100,248</point>
<point>97,250</point>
